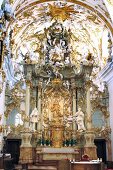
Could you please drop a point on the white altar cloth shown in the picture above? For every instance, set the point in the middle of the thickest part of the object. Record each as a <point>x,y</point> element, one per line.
<point>58,153</point>
<point>86,162</point>
<point>58,150</point>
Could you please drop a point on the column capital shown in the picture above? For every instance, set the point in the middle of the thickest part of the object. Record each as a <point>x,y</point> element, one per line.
<point>40,85</point>
<point>73,85</point>
<point>88,84</point>
<point>28,83</point>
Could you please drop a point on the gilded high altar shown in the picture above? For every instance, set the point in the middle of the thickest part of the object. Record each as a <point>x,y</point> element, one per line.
<point>55,90</point>
<point>56,124</point>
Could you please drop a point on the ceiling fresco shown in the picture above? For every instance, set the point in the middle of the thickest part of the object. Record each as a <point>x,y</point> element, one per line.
<point>86,29</point>
<point>85,23</point>
<point>98,6</point>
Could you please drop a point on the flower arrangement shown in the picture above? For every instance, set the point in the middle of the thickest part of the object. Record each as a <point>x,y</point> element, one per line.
<point>85,157</point>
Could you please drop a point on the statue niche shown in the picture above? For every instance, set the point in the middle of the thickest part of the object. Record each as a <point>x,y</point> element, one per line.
<point>55,101</point>
<point>57,115</point>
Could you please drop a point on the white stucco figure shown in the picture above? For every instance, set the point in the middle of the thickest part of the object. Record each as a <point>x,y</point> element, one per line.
<point>8,10</point>
<point>79,118</point>
<point>34,118</point>
<point>8,130</point>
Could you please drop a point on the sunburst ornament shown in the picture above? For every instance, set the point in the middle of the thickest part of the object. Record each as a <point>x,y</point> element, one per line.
<point>60,11</point>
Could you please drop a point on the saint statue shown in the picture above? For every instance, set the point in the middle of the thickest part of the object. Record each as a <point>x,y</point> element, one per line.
<point>79,118</point>
<point>34,116</point>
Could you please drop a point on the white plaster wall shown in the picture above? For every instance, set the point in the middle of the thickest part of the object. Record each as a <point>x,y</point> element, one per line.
<point>1,3</point>
<point>107,75</point>
<point>110,88</point>
<point>2,122</point>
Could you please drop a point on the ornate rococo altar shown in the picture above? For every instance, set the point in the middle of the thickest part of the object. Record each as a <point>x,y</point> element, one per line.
<point>60,100</point>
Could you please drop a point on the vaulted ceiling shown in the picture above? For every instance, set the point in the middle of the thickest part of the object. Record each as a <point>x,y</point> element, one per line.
<point>88,23</point>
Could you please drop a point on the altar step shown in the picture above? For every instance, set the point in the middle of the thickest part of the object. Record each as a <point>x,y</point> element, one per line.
<point>33,167</point>
<point>47,165</point>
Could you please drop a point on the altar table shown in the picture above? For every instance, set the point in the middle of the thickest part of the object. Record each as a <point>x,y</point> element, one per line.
<point>57,153</point>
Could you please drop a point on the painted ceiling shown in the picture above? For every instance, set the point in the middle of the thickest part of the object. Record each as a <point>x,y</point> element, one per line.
<point>87,23</point>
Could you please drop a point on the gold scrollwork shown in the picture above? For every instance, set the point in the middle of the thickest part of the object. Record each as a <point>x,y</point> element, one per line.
<point>110,2</point>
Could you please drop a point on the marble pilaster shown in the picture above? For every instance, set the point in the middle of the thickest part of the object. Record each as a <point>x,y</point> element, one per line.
<point>2,118</point>
<point>88,107</point>
<point>26,147</point>
<point>27,104</point>
<point>39,107</point>
<point>89,147</point>
<point>27,99</point>
<point>74,108</point>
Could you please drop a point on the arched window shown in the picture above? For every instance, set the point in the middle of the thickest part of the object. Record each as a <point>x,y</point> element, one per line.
<point>98,119</point>
<point>14,118</point>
